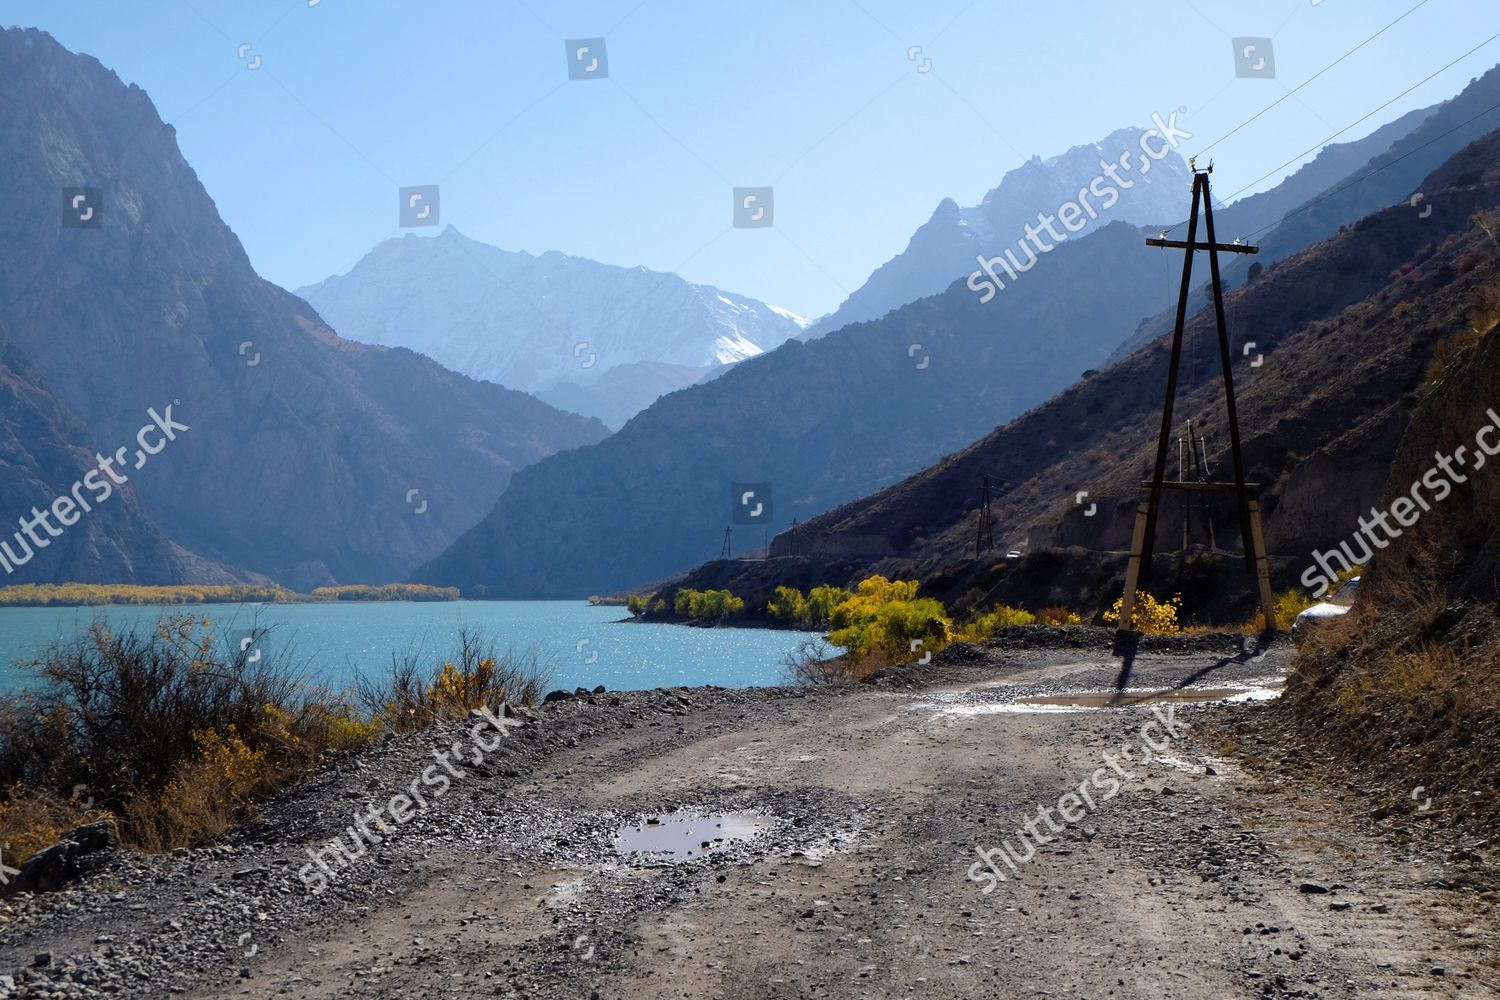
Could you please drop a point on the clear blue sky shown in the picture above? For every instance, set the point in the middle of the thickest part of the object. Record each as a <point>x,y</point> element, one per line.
<point>816,97</point>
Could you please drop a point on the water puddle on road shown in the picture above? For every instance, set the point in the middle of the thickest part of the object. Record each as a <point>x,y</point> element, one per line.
<point>686,836</point>
<point>991,701</point>
<point>1114,699</point>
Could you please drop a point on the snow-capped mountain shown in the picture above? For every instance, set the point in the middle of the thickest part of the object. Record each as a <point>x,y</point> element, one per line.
<point>1146,192</point>
<point>537,323</point>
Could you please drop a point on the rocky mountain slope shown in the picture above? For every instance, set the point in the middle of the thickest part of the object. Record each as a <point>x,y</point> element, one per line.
<point>1343,333</point>
<point>551,325</point>
<point>1406,688</point>
<point>625,390</point>
<point>306,458</point>
<point>44,451</point>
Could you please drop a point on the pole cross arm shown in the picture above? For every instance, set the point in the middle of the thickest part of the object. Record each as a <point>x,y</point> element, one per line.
<point>1220,247</point>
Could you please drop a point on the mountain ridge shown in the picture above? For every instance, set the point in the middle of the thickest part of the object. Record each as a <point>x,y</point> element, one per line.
<point>155,302</point>
<point>545,322</point>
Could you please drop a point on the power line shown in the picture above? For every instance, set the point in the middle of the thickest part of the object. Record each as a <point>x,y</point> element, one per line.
<point>1370,115</point>
<point>1310,79</point>
<point>1346,128</point>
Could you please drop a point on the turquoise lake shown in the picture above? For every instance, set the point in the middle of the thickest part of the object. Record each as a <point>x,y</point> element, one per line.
<point>332,643</point>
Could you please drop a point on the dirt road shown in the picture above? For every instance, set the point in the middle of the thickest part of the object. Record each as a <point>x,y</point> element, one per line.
<point>1193,875</point>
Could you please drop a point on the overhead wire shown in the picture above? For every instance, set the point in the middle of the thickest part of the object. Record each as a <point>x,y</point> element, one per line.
<point>1341,131</point>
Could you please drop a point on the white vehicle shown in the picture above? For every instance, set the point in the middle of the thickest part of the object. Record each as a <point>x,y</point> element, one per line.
<point>1013,555</point>
<point>1333,607</point>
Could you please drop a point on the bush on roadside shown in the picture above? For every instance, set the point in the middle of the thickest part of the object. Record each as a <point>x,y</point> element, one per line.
<point>32,819</point>
<point>1150,615</point>
<point>887,617</point>
<point>815,610</point>
<point>410,697</point>
<point>148,722</point>
<point>821,601</point>
<point>178,736</point>
<point>987,624</point>
<point>813,664</point>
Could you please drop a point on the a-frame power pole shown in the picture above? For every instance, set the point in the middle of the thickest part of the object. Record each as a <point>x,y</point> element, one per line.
<point>1144,537</point>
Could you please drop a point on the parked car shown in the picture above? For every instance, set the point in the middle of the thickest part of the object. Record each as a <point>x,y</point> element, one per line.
<point>1333,607</point>
<point>1013,555</point>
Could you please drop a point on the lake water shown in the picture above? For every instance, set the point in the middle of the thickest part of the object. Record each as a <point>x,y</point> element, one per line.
<point>330,643</point>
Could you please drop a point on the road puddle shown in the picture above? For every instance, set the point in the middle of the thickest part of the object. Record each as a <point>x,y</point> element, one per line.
<point>1124,699</point>
<point>685,836</point>
<point>992,701</point>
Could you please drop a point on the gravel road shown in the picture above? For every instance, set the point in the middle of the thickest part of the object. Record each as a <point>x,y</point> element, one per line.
<point>818,843</point>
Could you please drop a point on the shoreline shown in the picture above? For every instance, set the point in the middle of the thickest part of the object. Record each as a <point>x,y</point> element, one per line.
<point>90,595</point>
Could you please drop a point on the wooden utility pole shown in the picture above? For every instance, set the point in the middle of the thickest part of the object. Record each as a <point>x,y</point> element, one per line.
<point>1144,536</point>
<point>986,539</point>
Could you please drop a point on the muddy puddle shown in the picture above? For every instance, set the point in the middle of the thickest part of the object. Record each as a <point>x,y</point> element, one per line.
<point>1116,699</point>
<point>993,701</point>
<point>684,836</point>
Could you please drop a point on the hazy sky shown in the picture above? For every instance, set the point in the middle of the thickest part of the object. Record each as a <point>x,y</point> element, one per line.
<point>825,100</point>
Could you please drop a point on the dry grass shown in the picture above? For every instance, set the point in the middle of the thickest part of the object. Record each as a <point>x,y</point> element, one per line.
<point>814,664</point>
<point>178,736</point>
<point>31,820</point>
<point>411,697</point>
<point>1407,688</point>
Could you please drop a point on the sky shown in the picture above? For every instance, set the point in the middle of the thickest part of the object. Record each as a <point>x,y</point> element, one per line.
<point>304,118</point>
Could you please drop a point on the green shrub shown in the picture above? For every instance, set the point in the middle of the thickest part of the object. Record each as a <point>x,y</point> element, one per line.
<point>993,621</point>
<point>821,601</point>
<point>707,605</point>
<point>788,605</point>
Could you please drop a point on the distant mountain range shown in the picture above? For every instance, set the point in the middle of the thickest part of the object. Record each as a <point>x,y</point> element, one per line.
<point>945,248</point>
<point>314,459</point>
<point>847,414</point>
<point>309,459</point>
<point>552,325</point>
